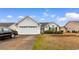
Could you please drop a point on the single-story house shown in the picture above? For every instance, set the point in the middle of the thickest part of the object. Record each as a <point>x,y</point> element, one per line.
<point>28,26</point>
<point>72,26</point>
<point>49,26</point>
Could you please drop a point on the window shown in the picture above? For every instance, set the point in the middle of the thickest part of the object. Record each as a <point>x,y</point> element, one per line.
<point>0,30</point>
<point>27,26</point>
<point>6,30</point>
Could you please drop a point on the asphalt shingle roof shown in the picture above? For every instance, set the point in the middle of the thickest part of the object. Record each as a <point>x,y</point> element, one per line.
<point>45,23</point>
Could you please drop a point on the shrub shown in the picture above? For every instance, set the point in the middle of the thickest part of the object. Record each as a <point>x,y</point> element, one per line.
<point>78,31</point>
<point>59,32</point>
<point>68,31</point>
<point>48,32</point>
<point>74,31</point>
<point>52,32</point>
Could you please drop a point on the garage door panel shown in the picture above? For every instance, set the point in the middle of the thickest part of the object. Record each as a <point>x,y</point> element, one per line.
<point>28,30</point>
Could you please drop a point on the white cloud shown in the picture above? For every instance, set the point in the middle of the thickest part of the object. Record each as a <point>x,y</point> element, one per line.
<point>52,16</point>
<point>20,16</point>
<point>45,14</point>
<point>42,18</point>
<point>72,16</point>
<point>48,14</point>
<point>9,16</point>
<point>62,19</point>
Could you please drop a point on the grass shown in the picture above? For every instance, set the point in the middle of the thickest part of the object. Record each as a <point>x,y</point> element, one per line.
<point>56,42</point>
<point>38,43</point>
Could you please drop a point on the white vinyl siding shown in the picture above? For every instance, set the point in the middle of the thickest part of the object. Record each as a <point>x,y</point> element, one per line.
<point>51,26</point>
<point>28,27</point>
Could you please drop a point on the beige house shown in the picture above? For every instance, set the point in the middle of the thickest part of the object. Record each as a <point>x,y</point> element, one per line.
<point>72,26</point>
<point>49,26</point>
<point>63,28</point>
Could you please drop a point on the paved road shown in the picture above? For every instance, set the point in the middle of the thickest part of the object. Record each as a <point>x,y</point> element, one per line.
<point>18,43</point>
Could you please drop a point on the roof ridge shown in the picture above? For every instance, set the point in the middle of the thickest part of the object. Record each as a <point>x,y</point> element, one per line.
<point>25,18</point>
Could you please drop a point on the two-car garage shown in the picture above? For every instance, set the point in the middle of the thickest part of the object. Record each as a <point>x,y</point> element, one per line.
<point>28,30</point>
<point>28,26</point>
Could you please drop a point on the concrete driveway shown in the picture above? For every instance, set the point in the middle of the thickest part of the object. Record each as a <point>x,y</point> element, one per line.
<point>18,43</point>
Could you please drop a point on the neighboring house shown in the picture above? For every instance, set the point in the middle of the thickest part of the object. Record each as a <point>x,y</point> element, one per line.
<point>63,28</point>
<point>72,26</point>
<point>49,26</point>
<point>5,24</point>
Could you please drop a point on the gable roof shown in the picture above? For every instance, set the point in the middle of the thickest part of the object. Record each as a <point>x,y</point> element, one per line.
<point>26,18</point>
<point>63,27</point>
<point>6,24</point>
<point>45,23</point>
<point>72,21</point>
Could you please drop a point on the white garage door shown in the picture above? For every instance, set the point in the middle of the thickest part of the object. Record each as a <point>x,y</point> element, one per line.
<point>28,30</point>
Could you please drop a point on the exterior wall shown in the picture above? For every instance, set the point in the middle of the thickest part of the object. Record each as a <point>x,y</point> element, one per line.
<point>14,27</point>
<point>28,31</point>
<point>27,22</point>
<point>58,28</point>
<point>72,26</point>
<point>63,29</point>
<point>52,26</point>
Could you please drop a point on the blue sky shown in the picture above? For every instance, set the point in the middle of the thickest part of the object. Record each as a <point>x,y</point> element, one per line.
<point>58,15</point>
